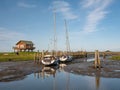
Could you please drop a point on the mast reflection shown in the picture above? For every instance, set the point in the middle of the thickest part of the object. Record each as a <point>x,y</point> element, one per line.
<point>97,79</point>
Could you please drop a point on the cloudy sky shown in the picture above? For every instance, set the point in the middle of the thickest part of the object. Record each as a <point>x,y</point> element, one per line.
<point>92,24</point>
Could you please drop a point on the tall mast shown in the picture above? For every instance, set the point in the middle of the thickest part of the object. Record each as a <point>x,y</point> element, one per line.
<point>55,37</point>
<point>67,38</point>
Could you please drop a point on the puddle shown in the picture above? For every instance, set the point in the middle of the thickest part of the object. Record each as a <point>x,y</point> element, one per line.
<point>117,70</point>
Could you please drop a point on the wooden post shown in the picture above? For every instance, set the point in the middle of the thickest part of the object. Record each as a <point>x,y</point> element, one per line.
<point>34,57</point>
<point>42,54</point>
<point>97,60</point>
<point>40,57</point>
<point>37,57</point>
<point>85,54</point>
<point>104,56</point>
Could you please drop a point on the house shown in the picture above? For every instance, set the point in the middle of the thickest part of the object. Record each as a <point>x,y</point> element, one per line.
<point>24,45</point>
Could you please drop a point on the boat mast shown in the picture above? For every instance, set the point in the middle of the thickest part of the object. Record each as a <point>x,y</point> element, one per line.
<point>55,37</point>
<point>67,39</point>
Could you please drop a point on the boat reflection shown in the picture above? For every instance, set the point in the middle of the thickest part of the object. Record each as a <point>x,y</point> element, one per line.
<point>61,66</point>
<point>46,72</point>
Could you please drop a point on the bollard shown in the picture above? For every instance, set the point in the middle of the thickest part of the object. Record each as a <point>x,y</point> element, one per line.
<point>104,56</point>
<point>37,57</point>
<point>34,57</point>
<point>97,60</point>
<point>42,54</point>
<point>40,58</point>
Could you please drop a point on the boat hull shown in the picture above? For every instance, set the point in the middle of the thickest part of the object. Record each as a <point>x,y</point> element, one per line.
<point>65,58</point>
<point>49,60</point>
<point>52,62</point>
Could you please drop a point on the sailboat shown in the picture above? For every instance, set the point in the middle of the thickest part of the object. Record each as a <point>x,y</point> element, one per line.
<point>66,56</point>
<point>51,59</point>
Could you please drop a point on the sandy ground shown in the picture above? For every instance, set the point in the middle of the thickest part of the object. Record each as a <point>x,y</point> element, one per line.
<point>10,71</point>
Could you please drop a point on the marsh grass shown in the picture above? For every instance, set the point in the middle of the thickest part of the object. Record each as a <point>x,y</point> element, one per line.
<point>22,56</point>
<point>115,57</point>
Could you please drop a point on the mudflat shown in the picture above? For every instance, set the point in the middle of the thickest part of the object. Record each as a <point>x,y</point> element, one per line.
<point>10,71</point>
<point>109,69</point>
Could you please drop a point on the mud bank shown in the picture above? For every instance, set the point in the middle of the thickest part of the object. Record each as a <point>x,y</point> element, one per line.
<point>11,71</point>
<point>109,69</point>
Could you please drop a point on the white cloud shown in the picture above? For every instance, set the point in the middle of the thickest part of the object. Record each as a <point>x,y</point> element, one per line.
<point>65,9</point>
<point>8,39</point>
<point>97,12</point>
<point>7,35</point>
<point>89,3</point>
<point>26,5</point>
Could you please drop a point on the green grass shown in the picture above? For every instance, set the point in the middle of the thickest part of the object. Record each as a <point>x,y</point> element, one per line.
<point>23,56</point>
<point>115,58</point>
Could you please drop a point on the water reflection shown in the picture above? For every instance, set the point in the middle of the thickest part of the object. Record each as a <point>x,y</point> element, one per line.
<point>61,66</point>
<point>46,72</point>
<point>97,79</point>
<point>50,71</point>
<point>55,78</point>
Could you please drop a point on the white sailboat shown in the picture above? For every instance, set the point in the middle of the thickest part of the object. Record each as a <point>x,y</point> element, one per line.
<point>49,60</point>
<point>66,56</point>
<point>52,59</point>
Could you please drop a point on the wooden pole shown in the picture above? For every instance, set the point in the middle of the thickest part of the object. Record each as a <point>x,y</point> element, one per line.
<point>97,60</point>
<point>34,57</point>
<point>37,57</point>
<point>104,56</point>
<point>42,54</point>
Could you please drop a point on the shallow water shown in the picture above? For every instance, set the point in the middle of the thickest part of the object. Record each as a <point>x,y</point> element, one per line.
<point>54,78</point>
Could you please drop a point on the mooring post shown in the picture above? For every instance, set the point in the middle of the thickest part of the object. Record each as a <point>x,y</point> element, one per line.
<point>85,54</point>
<point>40,57</point>
<point>97,59</point>
<point>104,56</point>
<point>35,57</point>
<point>42,54</point>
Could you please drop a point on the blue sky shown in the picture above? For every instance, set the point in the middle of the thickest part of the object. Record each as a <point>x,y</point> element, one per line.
<point>92,24</point>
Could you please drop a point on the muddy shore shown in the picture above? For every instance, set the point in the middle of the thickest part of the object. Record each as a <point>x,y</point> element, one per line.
<point>109,69</point>
<point>11,71</point>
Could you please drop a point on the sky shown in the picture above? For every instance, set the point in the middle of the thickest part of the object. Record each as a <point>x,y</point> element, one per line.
<point>92,24</point>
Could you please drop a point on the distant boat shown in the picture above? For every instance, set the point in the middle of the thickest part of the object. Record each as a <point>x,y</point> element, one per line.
<point>67,56</point>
